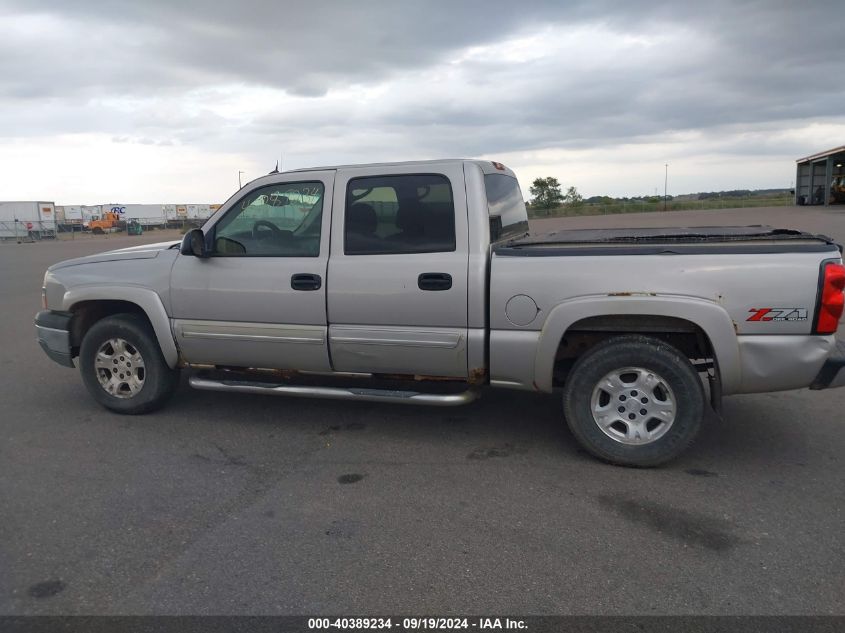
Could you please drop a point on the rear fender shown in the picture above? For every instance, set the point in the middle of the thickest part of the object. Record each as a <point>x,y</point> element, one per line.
<point>708,315</point>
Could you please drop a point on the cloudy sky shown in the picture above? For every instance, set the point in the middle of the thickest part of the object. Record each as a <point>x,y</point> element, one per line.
<point>166,100</point>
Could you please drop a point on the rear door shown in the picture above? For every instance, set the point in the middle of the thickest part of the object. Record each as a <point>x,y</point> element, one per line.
<point>397,292</point>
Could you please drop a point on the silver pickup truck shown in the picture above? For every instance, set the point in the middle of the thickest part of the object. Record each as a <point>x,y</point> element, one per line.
<point>419,283</point>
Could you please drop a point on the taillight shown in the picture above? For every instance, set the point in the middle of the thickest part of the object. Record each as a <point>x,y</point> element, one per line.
<point>832,298</point>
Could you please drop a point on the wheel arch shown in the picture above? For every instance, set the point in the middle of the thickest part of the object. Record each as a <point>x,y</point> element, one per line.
<point>94,303</point>
<point>701,315</point>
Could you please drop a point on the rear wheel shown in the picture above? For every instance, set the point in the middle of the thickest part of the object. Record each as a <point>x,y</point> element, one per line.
<point>122,365</point>
<point>634,401</point>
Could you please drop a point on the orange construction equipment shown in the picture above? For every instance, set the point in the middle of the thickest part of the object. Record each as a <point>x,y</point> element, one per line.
<point>108,222</point>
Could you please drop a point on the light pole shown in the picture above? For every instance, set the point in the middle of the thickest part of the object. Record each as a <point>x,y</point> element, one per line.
<point>665,186</point>
<point>240,186</point>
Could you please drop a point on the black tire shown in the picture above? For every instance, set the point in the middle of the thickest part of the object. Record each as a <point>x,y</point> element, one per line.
<point>158,381</point>
<point>652,355</point>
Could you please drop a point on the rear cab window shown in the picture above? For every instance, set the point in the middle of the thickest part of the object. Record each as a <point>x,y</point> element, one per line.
<point>506,207</point>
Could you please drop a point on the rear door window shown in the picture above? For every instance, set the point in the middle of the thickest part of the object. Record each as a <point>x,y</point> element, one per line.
<point>399,214</point>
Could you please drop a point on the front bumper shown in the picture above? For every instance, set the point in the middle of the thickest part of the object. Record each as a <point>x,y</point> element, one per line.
<point>832,373</point>
<point>52,331</point>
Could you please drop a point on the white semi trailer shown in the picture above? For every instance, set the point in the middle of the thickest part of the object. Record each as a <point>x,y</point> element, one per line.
<point>144,214</point>
<point>161,214</point>
<point>69,214</point>
<point>176,213</point>
<point>27,219</point>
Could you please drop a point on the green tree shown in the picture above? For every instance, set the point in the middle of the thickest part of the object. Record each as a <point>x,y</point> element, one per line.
<point>572,197</point>
<point>546,193</point>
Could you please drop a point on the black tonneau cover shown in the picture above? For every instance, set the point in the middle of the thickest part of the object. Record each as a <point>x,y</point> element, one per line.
<point>668,240</point>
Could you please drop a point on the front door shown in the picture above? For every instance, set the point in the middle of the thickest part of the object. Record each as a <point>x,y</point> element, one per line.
<point>397,295</point>
<point>259,300</point>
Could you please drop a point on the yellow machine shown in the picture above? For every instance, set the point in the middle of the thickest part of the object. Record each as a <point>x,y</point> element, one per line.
<point>108,222</point>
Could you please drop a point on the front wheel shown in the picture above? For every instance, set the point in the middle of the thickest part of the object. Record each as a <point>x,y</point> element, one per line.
<point>122,365</point>
<point>634,401</point>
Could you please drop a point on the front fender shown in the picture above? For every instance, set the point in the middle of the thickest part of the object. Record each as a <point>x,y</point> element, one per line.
<point>708,315</point>
<point>146,299</point>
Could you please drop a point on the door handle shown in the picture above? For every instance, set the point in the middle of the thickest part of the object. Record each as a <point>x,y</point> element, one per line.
<point>434,281</point>
<point>305,281</point>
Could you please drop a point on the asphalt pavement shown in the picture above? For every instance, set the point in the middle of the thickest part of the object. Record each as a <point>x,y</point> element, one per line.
<point>231,504</point>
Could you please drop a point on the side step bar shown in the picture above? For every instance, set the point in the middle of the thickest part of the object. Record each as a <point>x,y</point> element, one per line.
<point>335,393</point>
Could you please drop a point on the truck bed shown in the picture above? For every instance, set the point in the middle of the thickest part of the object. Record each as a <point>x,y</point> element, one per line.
<point>668,240</point>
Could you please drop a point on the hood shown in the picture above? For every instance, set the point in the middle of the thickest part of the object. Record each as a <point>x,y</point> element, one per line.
<point>157,246</point>
<point>144,251</point>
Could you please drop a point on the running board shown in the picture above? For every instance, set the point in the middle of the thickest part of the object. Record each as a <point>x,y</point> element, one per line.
<point>335,393</point>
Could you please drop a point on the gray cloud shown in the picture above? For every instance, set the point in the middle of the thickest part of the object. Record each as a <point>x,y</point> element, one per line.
<point>303,47</point>
<point>149,72</point>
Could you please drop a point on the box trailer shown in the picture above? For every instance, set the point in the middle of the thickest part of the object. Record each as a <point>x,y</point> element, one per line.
<point>90,212</point>
<point>144,214</point>
<point>69,214</point>
<point>175,212</point>
<point>179,214</point>
<point>199,211</point>
<point>27,219</point>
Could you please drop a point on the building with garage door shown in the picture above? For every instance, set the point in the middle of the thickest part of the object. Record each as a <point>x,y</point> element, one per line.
<point>820,178</point>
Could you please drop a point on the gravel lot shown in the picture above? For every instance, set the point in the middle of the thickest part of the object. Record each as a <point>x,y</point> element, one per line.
<point>254,505</point>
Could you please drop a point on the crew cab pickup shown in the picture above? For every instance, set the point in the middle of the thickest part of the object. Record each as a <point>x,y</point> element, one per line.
<point>419,283</point>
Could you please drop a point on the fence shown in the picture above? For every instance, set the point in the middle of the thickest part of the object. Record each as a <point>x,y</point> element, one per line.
<point>36,230</point>
<point>647,207</point>
<point>27,230</point>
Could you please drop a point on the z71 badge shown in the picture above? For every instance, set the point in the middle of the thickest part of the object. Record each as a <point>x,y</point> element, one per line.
<point>778,314</point>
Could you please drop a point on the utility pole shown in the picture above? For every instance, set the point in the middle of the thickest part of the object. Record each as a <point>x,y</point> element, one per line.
<point>240,186</point>
<point>665,186</point>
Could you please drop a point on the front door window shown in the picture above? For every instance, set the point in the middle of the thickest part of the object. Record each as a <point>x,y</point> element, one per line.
<point>281,220</point>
